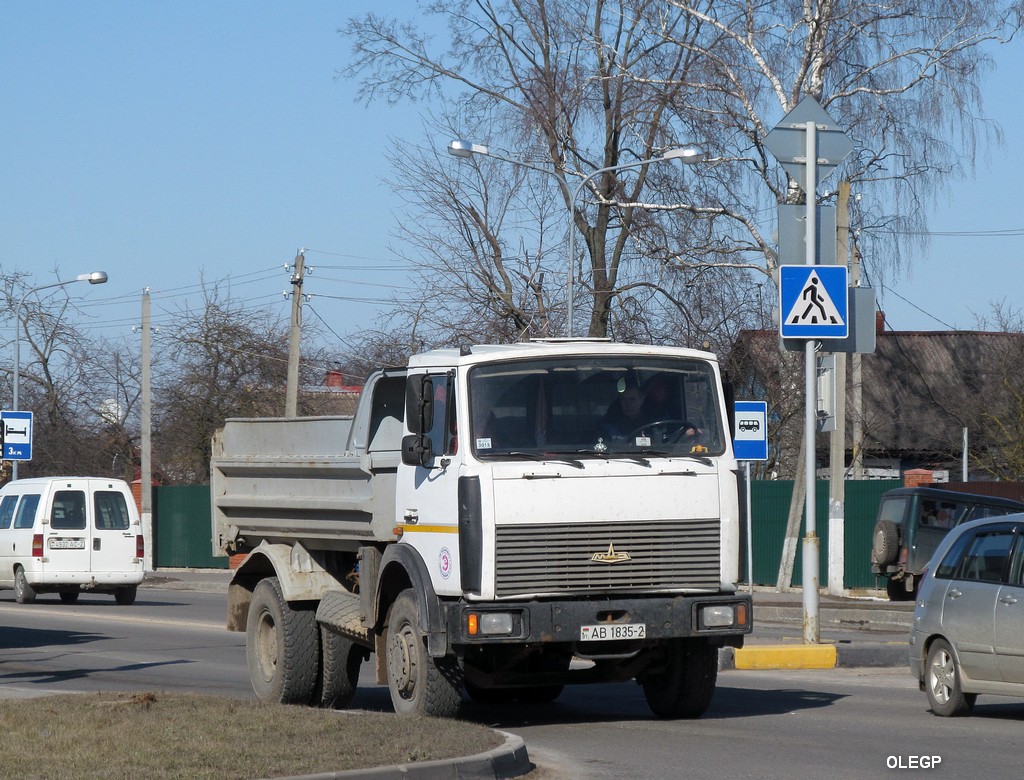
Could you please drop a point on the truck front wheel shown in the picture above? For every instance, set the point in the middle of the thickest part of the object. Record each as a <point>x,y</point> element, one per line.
<point>419,684</point>
<point>682,687</point>
<point>282,647</point>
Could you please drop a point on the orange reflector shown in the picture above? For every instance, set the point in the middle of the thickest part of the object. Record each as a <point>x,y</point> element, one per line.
<point>741,614</point>
<point>398,531</point>
<point>472,623</point>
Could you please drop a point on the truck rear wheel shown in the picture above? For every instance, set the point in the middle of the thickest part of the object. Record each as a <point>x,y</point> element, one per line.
<point>340,659</point>
<point>282,647</point>
<point>684,686</point>
<point>419,684</point>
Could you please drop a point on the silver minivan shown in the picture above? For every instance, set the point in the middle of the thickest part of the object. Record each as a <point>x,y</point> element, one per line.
<point>66,535</point>
<point>968,631</point>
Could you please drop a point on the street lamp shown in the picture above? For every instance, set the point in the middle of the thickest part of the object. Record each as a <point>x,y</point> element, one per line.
<point>96,277</point>
<point>689,155</point>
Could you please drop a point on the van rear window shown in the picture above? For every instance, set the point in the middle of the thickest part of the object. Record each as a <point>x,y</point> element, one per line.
<point>68,510</point>
<point>111,511</point>
<point>26,516</point>
<point>7,510</point>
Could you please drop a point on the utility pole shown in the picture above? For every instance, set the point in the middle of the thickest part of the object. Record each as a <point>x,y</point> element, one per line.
<point>857,390</point>
<point>837,448</point>
<point>146,429</point>
<point>291,401</point>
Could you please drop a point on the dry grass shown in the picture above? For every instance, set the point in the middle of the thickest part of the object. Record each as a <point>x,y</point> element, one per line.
<point>160,736</point>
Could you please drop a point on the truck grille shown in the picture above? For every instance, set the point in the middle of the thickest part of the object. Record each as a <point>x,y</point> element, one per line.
<point>560,559</point>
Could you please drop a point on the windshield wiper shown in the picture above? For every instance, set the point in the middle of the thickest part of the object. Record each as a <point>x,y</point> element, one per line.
<point>542,456</point>
<point>609,454</point>
<point>699,458</point>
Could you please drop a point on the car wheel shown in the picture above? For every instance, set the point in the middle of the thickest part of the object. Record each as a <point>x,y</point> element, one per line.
<point>897,590</point>
<point>126,596</point>
<point>885,544</point>
<point>942,682</point>
<point>23,592</point>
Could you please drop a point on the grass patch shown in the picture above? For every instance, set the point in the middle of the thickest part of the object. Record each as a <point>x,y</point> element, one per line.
<point>163,735</point>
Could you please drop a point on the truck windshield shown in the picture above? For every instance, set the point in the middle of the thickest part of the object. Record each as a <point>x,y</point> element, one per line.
<point>599,407</point>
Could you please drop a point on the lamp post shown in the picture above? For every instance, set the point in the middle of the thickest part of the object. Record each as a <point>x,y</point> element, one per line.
<point>96,277</point>
<point>688,154</point>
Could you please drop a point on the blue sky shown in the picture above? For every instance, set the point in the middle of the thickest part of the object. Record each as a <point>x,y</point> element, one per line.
<point>174,144</point>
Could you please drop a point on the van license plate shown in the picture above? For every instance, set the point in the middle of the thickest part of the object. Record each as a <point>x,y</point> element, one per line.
<point>607,631</point>
<point>66,544</point>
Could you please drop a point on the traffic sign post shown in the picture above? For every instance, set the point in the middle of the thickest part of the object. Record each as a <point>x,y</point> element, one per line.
<point>750,442</point>
<point>809,145</point>
<point>17,435</point>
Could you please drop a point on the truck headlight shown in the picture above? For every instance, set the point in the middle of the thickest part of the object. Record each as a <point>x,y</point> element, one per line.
<point>718,616</point>
<point>723,615</point>
<point>490,623</point>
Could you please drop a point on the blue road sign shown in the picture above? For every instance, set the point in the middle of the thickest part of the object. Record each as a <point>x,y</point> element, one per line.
<point>750,436</point>
<point>17,429</point>
<point>814,300</point>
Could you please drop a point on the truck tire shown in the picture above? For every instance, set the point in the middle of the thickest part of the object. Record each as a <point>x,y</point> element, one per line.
<point>419,684</point>
<point>282,647</point>
<point>685,685</point>
<point>23,592</point>
<point>340,659</point>
<point>885,543</point>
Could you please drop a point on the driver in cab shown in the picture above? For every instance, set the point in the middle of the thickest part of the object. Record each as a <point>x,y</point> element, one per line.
<point>637,411</point>
<point>625,412</point>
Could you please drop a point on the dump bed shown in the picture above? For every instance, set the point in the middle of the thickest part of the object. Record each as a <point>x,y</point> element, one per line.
<point>286,480</point>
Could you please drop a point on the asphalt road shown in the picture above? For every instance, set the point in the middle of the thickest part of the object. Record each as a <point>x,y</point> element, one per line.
<point>766,724</point>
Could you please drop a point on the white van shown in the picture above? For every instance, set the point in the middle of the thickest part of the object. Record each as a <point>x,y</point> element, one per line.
<point>69,534</point>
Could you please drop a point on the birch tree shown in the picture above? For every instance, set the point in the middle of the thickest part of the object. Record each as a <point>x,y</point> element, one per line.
<point>577,86</point>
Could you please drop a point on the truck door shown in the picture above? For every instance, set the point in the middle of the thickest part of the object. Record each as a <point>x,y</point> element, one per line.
<point>427,494</point>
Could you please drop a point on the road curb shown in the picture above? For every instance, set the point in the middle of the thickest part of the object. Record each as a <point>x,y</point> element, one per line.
<point>827,655</point>
<point>820,656</point>
<point>508,760</point>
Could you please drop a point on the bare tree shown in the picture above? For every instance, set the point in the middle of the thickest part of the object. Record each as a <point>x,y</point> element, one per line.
<point>55,366</point>
<point>579,87</point>
<point>225,361</point>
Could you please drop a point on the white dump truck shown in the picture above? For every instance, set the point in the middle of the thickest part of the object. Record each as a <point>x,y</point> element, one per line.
<point>496,520</point>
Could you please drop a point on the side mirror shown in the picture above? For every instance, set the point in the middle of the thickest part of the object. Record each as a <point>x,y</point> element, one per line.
<point>417,450</point>
<point>419,403</point>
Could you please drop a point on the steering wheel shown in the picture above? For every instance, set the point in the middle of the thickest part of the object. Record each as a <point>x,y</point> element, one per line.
<point>677,429</point>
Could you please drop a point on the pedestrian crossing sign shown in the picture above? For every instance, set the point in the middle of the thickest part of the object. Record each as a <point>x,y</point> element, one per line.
<point>813,301</point>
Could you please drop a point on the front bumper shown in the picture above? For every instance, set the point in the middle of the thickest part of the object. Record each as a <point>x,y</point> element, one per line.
<point>665,617</point>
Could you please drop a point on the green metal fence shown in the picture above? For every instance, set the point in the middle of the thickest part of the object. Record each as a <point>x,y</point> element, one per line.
<point>181,520</point>
<point>181,525</point>
<point>770,510</point>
